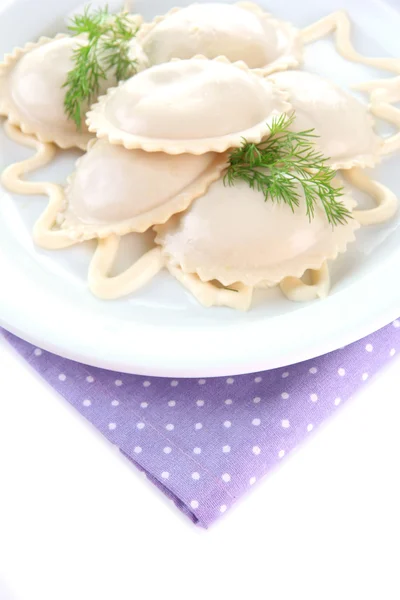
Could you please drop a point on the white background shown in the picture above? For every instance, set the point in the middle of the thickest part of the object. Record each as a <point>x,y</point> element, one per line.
<point>78,522</point>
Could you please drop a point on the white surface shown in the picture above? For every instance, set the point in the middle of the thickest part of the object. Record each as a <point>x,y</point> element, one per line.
<point>77,521</point>
<point>162,330</point>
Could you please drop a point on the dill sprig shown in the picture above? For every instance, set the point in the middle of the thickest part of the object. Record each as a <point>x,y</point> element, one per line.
<point>105,49</point>
<point>283,162</point>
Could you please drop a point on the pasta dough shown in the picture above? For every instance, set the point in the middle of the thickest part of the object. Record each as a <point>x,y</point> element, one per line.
<point>114,190</point>
<point>231,234</point>
<point>31,92</point>
<point>163,136</point>
<point>193,106</point>
<point>343,124</point>
<point>240,32</point>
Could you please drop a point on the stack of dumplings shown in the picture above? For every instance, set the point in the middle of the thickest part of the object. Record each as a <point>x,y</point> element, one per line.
<point>157,148</point>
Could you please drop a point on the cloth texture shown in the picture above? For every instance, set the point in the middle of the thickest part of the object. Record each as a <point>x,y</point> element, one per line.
<point>205,442</point>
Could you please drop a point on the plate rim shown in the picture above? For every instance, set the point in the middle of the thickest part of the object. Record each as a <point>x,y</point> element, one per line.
<point>328,334</point>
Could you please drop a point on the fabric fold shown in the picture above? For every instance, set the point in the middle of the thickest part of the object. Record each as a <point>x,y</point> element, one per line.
<point>205,442</point>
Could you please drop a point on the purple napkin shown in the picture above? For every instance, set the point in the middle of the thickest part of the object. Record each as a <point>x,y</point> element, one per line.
<point>204,442</point>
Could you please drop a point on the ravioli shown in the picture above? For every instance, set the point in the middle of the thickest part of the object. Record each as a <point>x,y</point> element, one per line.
<point>31,92</point>
<point>209,76</point>
<point>232,235</point>
<point>241,31</point>
<point>344,125</point>
<point>118,191</point>
<point>188,106</point>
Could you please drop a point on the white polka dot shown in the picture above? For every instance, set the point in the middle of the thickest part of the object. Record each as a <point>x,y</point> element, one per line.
<point>140,425</point>
<point>226,477</point>
<point>341,372</point>
<point>194,504</point>
<point>165,475</point>
<point>227,424</point>
<point>89,379</point>
<point>313,370</point>
<point>112,426</point>
<point>285,423</point>
<point>87,403</point>
<point>392,352</point>
<point>144,404</point>
<point>258,379</point>
<point>226,449</point>
<point>284,396</point>
<point>364,376</point>
<point>146,384</point>
<point>310,427</point>
<point>167,450</point>
<point>200,402</point>
<point>114,403</point>
<point>369,347</point>
<point>118,382</point>
<point>196,476</point>
<point>396,323</point>
<point>337,401</point>
<point>313,397</point>
<point>201,381</point>
<point>223,508</point>
<point>281,453</point>
<point>256,422</point>
<point>285,374</point>
<point>137,449</point>
<point>62,377</point>
<point>256,450</point>
<point>170,427</point>
<point>37,352</point>
<point>197,450</point>
<point>174,383</point>
<point>228,401</point>
<point>230,380</point>
<point>198,426</point>
<point>256,400</point>
<point>171,403</point>
<point>252,480</point>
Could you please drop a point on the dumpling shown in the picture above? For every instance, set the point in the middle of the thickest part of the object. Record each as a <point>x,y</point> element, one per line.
<point>232,235</point>
<point>241,31</point>
<point>343,124</point>
<point>193,106</point>
<point>148,260</point>
<point>31,92</point>
<point>114,190</point>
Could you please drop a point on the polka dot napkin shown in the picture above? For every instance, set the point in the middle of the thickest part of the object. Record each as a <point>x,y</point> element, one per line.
<point>204,442</point>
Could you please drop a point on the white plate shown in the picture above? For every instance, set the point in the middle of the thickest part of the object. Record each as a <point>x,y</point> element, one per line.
<point>162,330</point>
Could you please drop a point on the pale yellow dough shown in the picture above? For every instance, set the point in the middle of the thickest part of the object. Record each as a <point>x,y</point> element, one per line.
<point>240,31</point>
<point>114,190</point>
<point>209,294</point>
<point>189,106</point>
<point>384,91</point>
<point>231,234</point>
<point>31,92</point>
<point>344,125</point>
<point>229,241</point>
<point>100,282</point>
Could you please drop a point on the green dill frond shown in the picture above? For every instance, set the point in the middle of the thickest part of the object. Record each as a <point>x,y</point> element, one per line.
<point>106,49</point>
<point>283,162</point>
